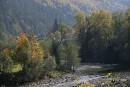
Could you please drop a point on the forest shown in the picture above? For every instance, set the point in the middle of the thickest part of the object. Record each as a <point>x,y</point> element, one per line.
<point>101,37</point>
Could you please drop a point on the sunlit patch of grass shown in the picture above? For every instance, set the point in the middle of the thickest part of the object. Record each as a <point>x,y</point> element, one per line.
<point>54,74</point>
<point>16,68</point>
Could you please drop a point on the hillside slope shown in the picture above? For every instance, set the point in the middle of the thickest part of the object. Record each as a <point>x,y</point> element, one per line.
<point>38,15</point>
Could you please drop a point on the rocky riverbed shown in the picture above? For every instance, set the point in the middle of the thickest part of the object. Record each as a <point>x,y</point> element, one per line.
<point>116,79</point>
<point>68,80</point>
<point>107,79</point>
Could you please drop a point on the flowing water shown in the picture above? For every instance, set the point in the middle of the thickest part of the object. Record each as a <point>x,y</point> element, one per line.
<point>81,79</point>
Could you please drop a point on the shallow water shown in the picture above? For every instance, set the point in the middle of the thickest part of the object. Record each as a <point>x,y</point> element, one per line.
<point>81,79</point>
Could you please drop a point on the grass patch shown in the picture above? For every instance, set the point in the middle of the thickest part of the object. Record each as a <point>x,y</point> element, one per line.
<point>54,74</point>
<point>16,68</point>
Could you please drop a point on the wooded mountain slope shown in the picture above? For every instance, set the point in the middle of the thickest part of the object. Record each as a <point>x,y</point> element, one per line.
<point>38,15</point>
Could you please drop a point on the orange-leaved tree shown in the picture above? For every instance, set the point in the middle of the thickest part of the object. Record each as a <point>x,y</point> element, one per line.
<point>30,55</point>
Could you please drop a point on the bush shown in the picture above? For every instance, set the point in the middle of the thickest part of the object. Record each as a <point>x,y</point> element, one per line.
<point>6,61</point>
<point>54,74</point>
<point>69,55</point>
<point>49,65</point>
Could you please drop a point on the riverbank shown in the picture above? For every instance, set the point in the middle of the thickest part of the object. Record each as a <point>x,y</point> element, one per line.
<point>68,80</point>
<point>117,79</point>
<point>87,75</point>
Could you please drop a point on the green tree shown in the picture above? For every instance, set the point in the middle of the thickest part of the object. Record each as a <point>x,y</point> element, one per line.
<point>119,38</point>
<point>72,52</point>
<point>83,30</point>
<point>69,55</point>
<point>127,39</point>
<point>1,37</point>
<point>80,26</point>
<point>102,34</point>
<point>6,61</point>
<point>80,20</point>
<point>55,26</point>
<point>62,54</point>
<point>49,65</point>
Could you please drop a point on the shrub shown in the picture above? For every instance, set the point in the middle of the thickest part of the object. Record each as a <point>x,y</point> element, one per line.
<point>6,61</point>
<point>49,65</point>
<point>54,74</point>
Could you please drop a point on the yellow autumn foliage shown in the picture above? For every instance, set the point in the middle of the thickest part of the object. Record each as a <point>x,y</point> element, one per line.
<point>22,40</point>
<point>8,52</point>
<point>36,52</point>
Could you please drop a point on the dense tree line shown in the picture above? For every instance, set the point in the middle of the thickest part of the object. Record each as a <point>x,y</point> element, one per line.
<point>104,37</point>
<point>101,37</point>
